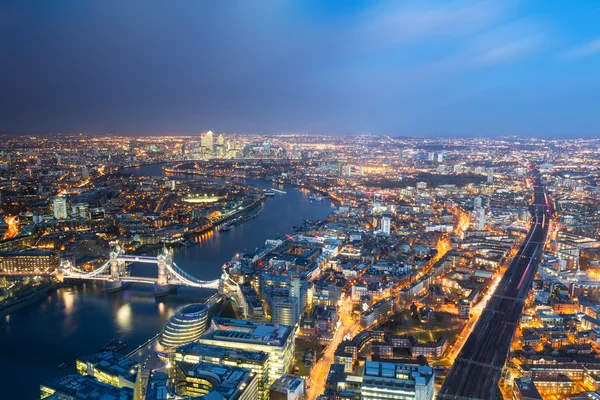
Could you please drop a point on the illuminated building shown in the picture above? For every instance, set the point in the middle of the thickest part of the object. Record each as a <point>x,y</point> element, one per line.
<point>207,141</point>
<point>186,326</point>
<point>396,381</point>
<point>559,386</point>
<point>287,387</point>
<point>255,361</point>
<point>111,368</point>
<point>377,312</point>
<point>274,339</point>
<point>28,262</point>
<point>386,224</point>
<point>524,389</point>
<point>81,209</point>
<point>59,204</point>
<point>97,213</point>
<point>464,309</point>
<point>284,310</point>
<point>480,221</point>
<point>215,381</point>
<point>490,175</point>
<point>82,387</point>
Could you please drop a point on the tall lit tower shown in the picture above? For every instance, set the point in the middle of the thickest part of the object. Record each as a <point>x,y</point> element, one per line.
<point>208,141</point>
<point>480,222</point>
<point>386,224</point>
<point>59,204</point>
<point>490,175</point>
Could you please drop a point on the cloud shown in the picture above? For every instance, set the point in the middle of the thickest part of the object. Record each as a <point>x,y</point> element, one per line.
<point>396,23</point>
<point>507,50</point>
<point>586,50</point>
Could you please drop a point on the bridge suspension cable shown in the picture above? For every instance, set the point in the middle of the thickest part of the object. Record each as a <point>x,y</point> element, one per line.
<point>190,280</point>
<point>70,270</point>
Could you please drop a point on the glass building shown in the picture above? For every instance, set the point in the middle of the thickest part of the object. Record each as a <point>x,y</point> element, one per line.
<point>186,326</point>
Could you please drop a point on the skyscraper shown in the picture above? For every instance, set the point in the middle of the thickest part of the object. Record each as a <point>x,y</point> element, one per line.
<point>207,141</point>
<point>386,224</point>
<point>477,202</point>
<point>480,222</point>
<point>59,204</point>
<point>490,176</point>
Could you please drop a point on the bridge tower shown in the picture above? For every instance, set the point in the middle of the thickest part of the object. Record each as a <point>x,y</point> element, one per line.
<point>165,262</point>
<point>117,268</point>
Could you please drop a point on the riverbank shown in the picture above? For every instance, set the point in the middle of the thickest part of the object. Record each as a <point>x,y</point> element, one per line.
<point>191,234</point>
<point>330,196</point>
<point>36,294</point>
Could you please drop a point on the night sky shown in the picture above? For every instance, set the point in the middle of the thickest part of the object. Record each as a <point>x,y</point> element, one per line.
<point>412,68</point>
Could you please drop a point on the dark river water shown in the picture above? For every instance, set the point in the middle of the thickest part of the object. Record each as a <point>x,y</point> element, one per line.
<point>78,320</point>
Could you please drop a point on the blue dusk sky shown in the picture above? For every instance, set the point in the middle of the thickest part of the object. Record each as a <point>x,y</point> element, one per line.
<point>409,68</point>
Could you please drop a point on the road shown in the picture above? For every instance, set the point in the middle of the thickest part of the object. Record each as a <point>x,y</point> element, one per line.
<point>477,368</point>
<point>318,373</point>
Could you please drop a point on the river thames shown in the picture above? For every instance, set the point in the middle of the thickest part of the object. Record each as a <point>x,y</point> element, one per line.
<point>74,321</point>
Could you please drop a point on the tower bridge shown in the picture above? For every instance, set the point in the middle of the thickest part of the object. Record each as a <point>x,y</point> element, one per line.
<point>169,275</point>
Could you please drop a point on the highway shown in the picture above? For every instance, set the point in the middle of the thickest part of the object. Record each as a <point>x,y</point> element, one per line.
<point>476,370</point>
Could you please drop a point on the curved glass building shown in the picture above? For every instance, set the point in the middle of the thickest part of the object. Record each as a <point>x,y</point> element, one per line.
<point>186,326</point>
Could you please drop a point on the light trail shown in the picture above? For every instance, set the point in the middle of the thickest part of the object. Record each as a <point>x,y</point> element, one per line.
<point>319,372</point>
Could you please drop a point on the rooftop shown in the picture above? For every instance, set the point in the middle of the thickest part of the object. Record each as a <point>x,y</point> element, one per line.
<point>235,330</point>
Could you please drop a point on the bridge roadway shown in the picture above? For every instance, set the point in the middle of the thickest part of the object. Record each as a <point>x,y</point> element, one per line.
<point>476,370</point>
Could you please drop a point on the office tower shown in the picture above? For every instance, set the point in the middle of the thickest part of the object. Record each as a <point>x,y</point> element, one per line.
<point>396,381</point>
<point>490,175</point>
<point>340,168</point>
<point>361,170</point>
<point>207,141</point>
<point>284,310</point>
<point>348,170</point>
<point>477,203</point>
<point>431,156</point>
<point>111,368</point>
<point>386,223</point>
<point>255,361</point>
<point>274,339</point>
<point>215,381</point>
<point>480,221</point>
<point>287,387</point>
<point>59,204</point>
<point>440,157</point>
<point>221,140</point>
<point>186,326</point>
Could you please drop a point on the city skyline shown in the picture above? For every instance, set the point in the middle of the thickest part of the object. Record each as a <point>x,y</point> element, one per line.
<point>422,69</point>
